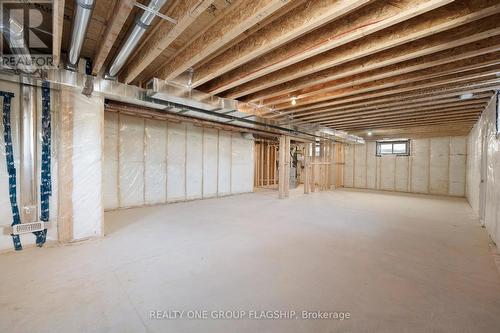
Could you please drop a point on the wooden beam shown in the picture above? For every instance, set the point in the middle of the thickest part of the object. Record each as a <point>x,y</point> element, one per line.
<point>185,12</point>
<point>369,19</point>
<point>398,105</point>
<point>300,20</point>
<point>284,165</point>
<point>393,84</point>
<point>399,60</point>
<point>416,132</point>
<point>121,11</point>
<point>57,29</point>
<point>247,14</point>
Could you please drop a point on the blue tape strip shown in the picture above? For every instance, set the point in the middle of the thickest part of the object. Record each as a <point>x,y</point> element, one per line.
<point>45,177</point>
<point>11,168</point>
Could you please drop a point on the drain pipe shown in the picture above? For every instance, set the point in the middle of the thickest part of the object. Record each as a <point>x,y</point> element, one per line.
<point>142,23</point>
<point>81,22</point>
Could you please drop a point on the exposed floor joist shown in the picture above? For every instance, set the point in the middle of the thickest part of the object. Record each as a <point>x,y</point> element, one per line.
<point>307,16</point>
<point>185,13</point>
<point>120,14</point>
<point>247,14</point>
<point>442,19</point>
<point>368,20</point>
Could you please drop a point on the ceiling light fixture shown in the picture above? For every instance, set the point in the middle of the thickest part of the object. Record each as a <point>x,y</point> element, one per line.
<point>294,100</point>
<point>369,133</point>
<point>466,96</point>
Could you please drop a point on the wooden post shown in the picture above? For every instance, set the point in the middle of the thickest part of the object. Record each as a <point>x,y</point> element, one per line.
<point>313,168</point>
<point>333,166</point>
<point>307,165</point>
<point>284,167</point>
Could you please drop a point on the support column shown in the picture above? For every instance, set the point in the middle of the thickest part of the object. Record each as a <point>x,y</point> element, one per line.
<point>307,165</point>
<point>333,167</point>
<point>284,167</point>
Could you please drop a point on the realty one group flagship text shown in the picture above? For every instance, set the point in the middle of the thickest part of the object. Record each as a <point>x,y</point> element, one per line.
<point>248,314</point>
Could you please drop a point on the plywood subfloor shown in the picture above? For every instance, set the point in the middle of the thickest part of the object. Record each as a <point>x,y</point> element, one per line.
<point>397,263</point>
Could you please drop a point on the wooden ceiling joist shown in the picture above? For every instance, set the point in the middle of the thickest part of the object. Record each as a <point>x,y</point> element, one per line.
<point>389,61</point>
<point>393,110</point>
<point>244,16</point>
<point>410,76</point>
<point>374,98</point>
<point>449,17</point>
<point>57,27</point>
<point>120,14</point>
<point>305,17</point>
<point>465,120</point>
<point>391,86</point>
<point>415,114</point>
<point>368,20</point>
<point>397,105</point>
<point>186,12</point>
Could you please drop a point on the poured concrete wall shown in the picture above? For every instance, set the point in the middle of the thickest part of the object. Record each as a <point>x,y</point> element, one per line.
<point>151,161</point>
<point>483,171</point>
<point>435,166</point>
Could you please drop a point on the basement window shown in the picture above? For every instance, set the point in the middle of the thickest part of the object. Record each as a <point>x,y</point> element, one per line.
<point>396,147</point>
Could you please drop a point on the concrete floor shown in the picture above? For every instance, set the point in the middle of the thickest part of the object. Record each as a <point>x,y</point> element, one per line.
<point>396,263</point>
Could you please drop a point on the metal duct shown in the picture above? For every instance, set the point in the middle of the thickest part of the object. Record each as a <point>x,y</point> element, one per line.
<point>81,22</point>
<point>141,25</point>
<point>14,34</point>
<point>28,154</point>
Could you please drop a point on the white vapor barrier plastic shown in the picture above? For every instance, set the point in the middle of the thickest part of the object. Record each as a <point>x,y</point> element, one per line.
<point>87,150</point>
<point>176,162</point>
<point>401,174</point>
<point>159,162</point>
<point>483,171</point>
<point>210,160</point>
<point>110,176</point>
<point>155,163</point>
<point>435,166</point>
<point>439,166</point>
<point>194,162</point>
<point>349,166</point>
<point>420,158</point>
<point>242,156</point>
<point>131,157</point>
<point>371,166</point>
<point>5,207</point>
<point>224,174</point>
<point>360,166</point>
<point>387,172</point>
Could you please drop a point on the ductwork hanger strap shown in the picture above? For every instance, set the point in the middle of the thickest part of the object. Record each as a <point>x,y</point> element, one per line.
<point>11,168</point>
<point>156,13</point>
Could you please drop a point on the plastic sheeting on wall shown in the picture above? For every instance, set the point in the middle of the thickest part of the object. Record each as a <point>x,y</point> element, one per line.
<point>435,166</point>
<point>131,157</point>
<point>110,176</point>
<point>5,208</point>
<point>172,162</point>
<point>155,162</point>
<point>484,147</point>
<point>87,165</point>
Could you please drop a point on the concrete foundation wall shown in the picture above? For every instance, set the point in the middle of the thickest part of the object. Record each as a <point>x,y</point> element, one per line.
<point>483,171</point>
<point>150,161</point>
<point>435,166</point>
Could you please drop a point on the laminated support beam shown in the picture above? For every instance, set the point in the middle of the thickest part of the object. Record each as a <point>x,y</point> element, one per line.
<point>284,167</point>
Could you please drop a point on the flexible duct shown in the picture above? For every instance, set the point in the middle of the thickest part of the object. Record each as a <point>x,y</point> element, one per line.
<point>80,24</point>
<point>141,25</point>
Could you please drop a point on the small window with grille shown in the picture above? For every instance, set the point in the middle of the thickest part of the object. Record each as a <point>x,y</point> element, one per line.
<point>396,147</point>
